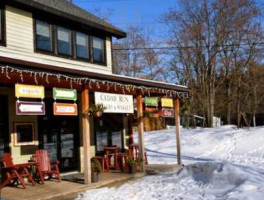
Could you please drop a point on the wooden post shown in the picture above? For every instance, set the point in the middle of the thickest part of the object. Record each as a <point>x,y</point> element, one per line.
<point>177,125</point>
<point>141,129</point>
<point>86,135</point>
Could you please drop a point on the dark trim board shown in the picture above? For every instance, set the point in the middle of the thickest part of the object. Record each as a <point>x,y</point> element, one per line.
<point>100,76</point>
<point>3,25</point>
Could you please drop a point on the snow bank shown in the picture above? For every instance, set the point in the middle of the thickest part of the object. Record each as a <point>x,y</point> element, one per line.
<point>221,163</point>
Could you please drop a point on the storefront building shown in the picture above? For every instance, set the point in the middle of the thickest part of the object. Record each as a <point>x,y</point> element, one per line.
<point>55,64</point>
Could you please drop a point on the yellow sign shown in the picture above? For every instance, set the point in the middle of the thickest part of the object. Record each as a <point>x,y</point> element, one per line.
<point>29,91</point>
<point>166,102</point>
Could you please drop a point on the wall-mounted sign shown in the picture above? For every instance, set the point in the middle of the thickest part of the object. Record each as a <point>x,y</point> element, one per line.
<point>115,103</point>
<point>166,102</point>
<point>29,91</point>
<point>30,108</point>
<point>64,94</point>
<point>151,101</point>
<point>65,109</point>
<point>167,112</point>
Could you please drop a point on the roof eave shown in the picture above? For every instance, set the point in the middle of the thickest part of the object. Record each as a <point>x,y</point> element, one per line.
<point>114,32</point>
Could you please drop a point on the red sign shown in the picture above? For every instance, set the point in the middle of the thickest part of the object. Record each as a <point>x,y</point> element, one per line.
<point>65,109</point>
<point>167,112</point>
<point>30,108</point>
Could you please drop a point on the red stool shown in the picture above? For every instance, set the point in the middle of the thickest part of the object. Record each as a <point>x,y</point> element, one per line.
<point>103,162</point>
<point>122,157</point>
<point>134,152</point>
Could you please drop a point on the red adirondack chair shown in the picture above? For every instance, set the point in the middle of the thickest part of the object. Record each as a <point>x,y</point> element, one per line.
<point>15,173</point>
<point>45,167</point>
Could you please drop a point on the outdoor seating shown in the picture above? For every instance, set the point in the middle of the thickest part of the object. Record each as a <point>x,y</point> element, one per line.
<point>103,162</point>
<point>112,152</point>
<point>134,153</point>
<point>122,160</point>
<point>15,173</point>
<point>45,167</point>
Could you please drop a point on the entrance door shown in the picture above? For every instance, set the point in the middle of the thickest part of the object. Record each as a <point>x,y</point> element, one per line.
<point>59,136</point>
<point>109,131</point>
<point>4,134</point>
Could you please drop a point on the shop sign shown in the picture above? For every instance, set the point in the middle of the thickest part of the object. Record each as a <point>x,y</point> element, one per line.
<point>64,94</point>
<point>29,91</point>
<point>115,103</point>
<point>65,109</point>
<point>30,108</point>
<point>167,102</point>
<point>167,112</point>
<point>151,101</point>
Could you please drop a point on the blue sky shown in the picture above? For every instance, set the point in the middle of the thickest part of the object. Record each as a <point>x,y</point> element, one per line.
<point>131,12</point>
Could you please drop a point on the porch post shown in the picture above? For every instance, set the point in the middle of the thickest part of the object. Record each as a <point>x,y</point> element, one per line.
<point>177,124</point>
<point>86,135</point>
<point>141,129</point>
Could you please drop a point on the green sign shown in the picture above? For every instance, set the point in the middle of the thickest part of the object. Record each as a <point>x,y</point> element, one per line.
<point>151,101</point>
<point>64,94</point>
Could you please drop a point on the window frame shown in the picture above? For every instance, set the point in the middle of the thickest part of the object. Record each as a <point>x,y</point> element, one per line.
<point>33,142</point>
<point>3,25</point>
<point>104,51</point>
<point>35,38</point>
<point>89,59</point>
<point>73,55</point>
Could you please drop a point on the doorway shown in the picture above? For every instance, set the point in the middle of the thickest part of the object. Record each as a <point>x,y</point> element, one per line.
<point>108,132</point>
<point>4,133</point>
<point>59,135</point>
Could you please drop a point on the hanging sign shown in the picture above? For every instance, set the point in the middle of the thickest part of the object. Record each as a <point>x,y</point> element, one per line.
<point>30,108</point>
<point>64,94</point>
<point>65,109</point>
<point>115,103</point>
<point>29,91</point>
<point>167,112</point>
<point>166,102</point>
<point>151,101</point>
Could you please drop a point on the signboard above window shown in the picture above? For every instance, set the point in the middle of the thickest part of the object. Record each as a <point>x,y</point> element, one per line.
<point>64,94</point>
<point>29,91</point>
<point>151,101</point>
<point>167,103</point>
<point>115,103</point>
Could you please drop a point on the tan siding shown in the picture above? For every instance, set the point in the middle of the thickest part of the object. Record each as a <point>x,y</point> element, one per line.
<point>20,44</point>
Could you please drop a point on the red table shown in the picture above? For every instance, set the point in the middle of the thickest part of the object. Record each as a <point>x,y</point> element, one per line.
<point>112,151</point>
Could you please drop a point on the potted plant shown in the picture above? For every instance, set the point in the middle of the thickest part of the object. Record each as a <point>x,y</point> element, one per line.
<point>132,165</point>
<point>97,110</point>
<point>96,169</point>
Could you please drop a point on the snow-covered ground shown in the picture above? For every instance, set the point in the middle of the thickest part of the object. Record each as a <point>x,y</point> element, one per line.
<point>220,163</point>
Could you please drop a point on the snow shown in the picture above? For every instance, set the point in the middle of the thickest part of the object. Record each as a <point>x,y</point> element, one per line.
<point>220,163</point>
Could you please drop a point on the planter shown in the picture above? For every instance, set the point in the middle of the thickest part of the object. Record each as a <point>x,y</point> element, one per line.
<point>132,169</point>
<point>95,177</point>
<point>97,114</point>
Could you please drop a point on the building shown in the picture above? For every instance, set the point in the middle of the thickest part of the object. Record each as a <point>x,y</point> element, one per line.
<point>47,47</point>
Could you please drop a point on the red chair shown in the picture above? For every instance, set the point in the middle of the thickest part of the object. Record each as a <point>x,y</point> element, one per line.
<point>134,152</point>
<point>45,167</point>
<point>103,162</point>
<point>15,173</point>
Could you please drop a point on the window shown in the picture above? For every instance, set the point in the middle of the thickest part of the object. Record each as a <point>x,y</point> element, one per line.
<point>98,49</point>
<point>60,41</point>
<point>2,26</point>
<point>64,41</point>
<point>24,134</point>
<point>82,46</point>
<point>43,36</point>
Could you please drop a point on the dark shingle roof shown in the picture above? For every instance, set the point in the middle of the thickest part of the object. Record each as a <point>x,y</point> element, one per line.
<point>63,6</point>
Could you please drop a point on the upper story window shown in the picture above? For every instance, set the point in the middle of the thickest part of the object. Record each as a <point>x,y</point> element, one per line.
<point>82,46</point>
<point>61,41</point>
<point>2,25</point>
<point>98,49</point>
<point>64,41</point>
<point>43,36</point>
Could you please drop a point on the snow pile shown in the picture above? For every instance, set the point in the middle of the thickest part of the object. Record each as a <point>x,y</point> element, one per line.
<point>221,163</point>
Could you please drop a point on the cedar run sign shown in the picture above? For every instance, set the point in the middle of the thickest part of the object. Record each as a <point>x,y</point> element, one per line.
<point>115,103</point>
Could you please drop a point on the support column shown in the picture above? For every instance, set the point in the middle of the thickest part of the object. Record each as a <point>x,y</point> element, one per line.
<point>86,135</point>
<point>141,129</point>
<point>177,126</point>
